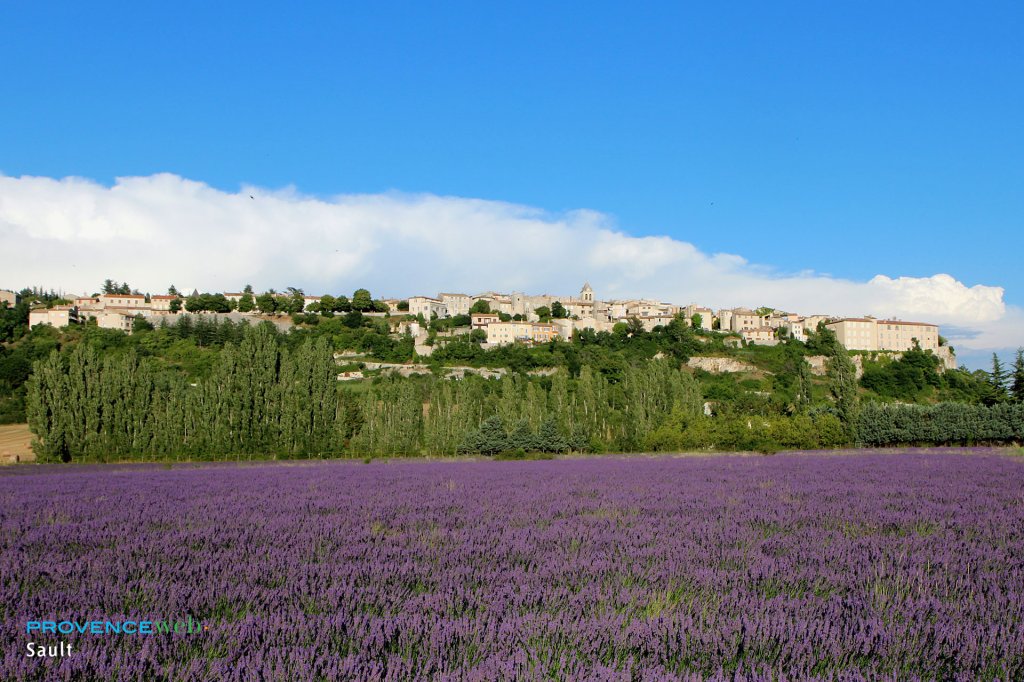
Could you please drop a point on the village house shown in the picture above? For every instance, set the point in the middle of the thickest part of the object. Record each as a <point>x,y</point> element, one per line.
<point>543,332</point>
<point>899,335</point>
<point>113,319</point>
<point>649,322</point>
<point>648,308</point>
<point>778,319</point>
<point>134,301</point>
<point>811,321</point>
<point>617,310</point>
<point>9,297</point>
<point>427,307</point>
<point>566,327</point>
<point>795,330</point>
<point>57,316</point>
<point>867,333</point>
<point>761,336</point>
<point>856,333</point>
<point>744,318</point>
<point>392,304</point>
<point>455,304</point>
<point>523,305</point>
<point>498,303</point>
<point>86,303</point>
<point>161,303</point>
<point>482,320</point>
<point>707,316</point>
<point>505,333</point>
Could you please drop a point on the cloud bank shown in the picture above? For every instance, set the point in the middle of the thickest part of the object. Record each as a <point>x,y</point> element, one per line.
<point>163,229</point>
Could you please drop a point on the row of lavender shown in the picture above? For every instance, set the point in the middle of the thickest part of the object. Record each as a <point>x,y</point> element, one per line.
<point>862,566</point>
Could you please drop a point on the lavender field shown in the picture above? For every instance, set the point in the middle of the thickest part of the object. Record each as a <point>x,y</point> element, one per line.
<point>801,566</point>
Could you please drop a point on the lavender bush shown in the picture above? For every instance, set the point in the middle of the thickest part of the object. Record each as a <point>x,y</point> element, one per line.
<point>799,566</point>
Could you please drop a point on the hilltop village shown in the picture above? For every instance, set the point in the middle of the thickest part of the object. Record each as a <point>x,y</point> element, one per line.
<point>492,319</point>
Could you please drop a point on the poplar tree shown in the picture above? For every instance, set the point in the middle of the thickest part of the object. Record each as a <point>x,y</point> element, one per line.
<point>843,385</point>
<point>45,395</point>
<point>558,399</point>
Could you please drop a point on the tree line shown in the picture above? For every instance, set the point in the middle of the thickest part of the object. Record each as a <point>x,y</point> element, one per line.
<point>262,399</point>
<point>882,425</point>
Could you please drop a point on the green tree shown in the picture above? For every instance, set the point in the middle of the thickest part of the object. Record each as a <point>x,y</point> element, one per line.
<point>550,438</point>
<point>489,439</point>
<point>997,379</point>
<point>696,321</point>
<point>558,311</point>
<point>1017,387</point>
<point>403,306</point>
<point>141,324</point>
<point>521,437</point>
<point>842,377</point>
<point>266,303</point>
<point>293,302</point>
<point>544,313</point>
<point>13,320</point>
<point>247,303</point>
<point>362,301</point>
<point>480,306</point>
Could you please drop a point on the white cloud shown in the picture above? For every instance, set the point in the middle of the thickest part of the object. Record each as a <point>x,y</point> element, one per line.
<point>163,229</point>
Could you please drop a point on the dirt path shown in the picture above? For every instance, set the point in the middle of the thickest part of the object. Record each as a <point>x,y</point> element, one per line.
<point>14,444</point>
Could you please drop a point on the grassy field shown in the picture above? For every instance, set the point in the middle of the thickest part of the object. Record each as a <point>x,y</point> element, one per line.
<point>14,444</point>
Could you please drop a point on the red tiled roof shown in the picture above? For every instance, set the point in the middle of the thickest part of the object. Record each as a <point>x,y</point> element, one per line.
<point>917,324</point>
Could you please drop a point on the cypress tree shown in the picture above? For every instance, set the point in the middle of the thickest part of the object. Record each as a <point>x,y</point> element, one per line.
<point>1017,385</point>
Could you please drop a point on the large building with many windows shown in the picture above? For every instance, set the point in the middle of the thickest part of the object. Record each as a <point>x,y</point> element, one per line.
<point>867,333</point>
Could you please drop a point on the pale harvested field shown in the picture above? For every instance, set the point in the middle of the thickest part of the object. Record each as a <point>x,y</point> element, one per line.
<point>14,444</point>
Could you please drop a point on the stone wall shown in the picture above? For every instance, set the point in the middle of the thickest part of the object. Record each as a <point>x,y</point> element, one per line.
<point>720,365</point>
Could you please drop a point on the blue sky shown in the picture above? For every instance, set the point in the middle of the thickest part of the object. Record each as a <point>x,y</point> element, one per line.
<point>852,139</point>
